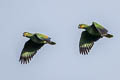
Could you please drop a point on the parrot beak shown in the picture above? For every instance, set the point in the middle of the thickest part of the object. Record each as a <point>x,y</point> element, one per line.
<point>78,27</point>
<point>24,35</point>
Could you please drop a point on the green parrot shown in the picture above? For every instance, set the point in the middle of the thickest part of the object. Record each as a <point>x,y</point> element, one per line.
<point>91,34</point>
<point>35,42</point>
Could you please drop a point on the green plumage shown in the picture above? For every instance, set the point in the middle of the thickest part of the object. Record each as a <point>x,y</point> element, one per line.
<point>31,46</point>
<point>93,33</point>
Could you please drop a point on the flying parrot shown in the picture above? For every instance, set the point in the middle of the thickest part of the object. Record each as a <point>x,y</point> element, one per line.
<point>31,47</point>
<point>91,34</point>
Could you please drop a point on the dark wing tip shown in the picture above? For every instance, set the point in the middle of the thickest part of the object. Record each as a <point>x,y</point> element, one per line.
<point>85,50</point>
<point>26,60</point>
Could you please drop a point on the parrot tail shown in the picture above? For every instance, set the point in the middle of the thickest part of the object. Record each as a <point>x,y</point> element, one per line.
<point>52,43</point>
<point>108,35</point>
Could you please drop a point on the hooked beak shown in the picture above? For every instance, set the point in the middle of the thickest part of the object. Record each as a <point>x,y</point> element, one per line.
<point>79,27</point>
<point>24,35</point>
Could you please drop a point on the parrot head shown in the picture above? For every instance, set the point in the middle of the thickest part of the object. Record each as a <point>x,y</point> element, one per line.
<point>27,34</point>
<point>82,26</point>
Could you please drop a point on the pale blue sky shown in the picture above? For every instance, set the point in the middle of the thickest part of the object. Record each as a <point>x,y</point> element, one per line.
<point>59,19</point>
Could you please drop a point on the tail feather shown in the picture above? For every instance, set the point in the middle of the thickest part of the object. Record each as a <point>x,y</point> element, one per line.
<point>108,35</point>
<point>52,43</point>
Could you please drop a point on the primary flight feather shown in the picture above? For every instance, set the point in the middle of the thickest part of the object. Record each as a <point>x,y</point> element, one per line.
<point>35,42</point>
<point>91,34</point>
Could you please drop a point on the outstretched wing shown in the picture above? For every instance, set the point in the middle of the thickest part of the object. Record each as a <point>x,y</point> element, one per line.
<point>100,28</point>
<point>29,50</point>
<point>86,42</point>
